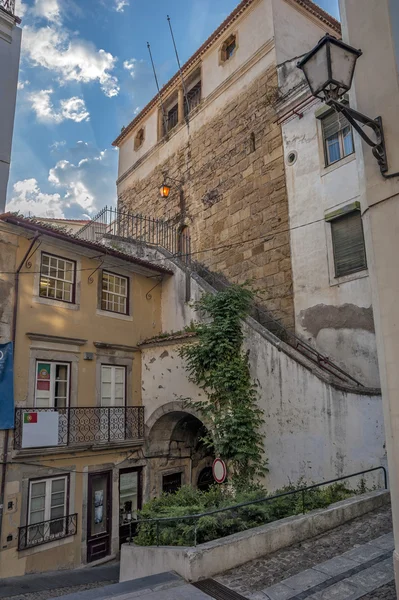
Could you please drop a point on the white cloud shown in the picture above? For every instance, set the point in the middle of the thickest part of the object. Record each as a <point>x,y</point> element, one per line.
<point>20,8</point>
<point>22,84</point>
<point>136,110</point>
<point>48,9</point>
<point>29,200</point>
<point>57,145</point>
<point>130,65</point>
<point>76,186</point>
<point>72,59</point>
<point>120,5</point>
<point>73,108</point>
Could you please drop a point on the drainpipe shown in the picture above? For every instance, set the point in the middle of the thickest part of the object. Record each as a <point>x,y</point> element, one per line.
<point>7,434</point>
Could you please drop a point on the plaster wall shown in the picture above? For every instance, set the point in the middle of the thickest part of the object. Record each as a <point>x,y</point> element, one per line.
<point>373,27</point>
<point>295,32</point>
<point>10,44</point>
<point>334,314</point>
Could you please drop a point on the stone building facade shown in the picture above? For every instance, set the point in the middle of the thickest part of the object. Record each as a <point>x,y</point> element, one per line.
<point>226,152</point>
<point>234,195</point>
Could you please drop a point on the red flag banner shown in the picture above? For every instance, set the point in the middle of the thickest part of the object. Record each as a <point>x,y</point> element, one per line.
<point>30,417</point>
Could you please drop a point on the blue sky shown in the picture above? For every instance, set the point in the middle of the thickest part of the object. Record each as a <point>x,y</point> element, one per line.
<point>84,74</point>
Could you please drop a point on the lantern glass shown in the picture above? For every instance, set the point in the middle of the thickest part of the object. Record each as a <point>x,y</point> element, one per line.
<point>164,190</point>
<point>329,68</point>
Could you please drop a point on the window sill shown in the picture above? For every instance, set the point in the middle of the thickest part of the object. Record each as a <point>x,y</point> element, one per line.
<point>340,163</point>
<point>113,315</point>
<point>58,303</point>
<point>347,278</point>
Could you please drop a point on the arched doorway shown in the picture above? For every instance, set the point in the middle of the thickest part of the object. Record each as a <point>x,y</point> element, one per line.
<point>175,450</point>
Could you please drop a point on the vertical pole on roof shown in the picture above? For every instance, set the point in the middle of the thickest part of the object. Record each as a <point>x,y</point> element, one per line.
<point>181,73</point>
<point>165,123</point>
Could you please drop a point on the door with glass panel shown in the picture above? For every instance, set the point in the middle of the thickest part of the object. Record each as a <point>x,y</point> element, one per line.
<point>113,401</point>
<point>47,510</point>
<point>130,501</point>
<point>52,385</point>
<point>99,515</point>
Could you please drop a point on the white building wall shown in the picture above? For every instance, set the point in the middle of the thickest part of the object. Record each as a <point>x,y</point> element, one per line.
<point>333,314</point>
<point>10,44</point>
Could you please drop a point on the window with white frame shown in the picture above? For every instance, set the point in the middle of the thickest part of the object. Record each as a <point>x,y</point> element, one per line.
<point>348,244</point>
<point>47,502</point>
<point>52,383</point>
<point>114,293</point>
<point>113,385</point>
<point>337,137</point>
<point>57,278</point>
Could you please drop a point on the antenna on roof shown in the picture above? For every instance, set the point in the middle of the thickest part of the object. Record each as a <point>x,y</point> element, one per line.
<point>165,122</point>
<point>180,71</point>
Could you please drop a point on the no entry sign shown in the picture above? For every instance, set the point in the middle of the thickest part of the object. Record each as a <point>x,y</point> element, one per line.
<point>219,470</point>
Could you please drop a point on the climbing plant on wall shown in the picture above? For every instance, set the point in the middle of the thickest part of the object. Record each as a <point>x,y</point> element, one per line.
<point>219,365</point>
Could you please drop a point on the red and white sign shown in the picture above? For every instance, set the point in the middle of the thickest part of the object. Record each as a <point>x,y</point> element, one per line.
<point>219,470</point>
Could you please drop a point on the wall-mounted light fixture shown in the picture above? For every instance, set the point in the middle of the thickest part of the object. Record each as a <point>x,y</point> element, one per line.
<point>329,70</point>
<point>165,188</point>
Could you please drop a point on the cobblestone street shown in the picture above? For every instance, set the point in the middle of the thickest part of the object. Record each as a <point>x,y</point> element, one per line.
<point>265,572</point>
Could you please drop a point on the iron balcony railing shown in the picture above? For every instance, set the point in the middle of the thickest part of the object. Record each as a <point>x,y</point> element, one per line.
<point>148,230</point>
<point>8,5</point>
<point>81,425</point>
<point>300,492</point>
<point>47,531</point>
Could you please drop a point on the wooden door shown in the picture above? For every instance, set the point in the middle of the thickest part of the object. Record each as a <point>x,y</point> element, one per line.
<point>99,515</point>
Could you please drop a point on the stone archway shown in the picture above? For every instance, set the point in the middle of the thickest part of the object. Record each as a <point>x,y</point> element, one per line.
<point>174,447</point>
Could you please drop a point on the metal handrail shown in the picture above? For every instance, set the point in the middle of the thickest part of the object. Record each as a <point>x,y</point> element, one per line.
<point>301,491</point>
<point>43,531</point>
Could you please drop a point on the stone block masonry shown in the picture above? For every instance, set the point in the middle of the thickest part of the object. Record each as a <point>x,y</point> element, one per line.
<point>235,200</point>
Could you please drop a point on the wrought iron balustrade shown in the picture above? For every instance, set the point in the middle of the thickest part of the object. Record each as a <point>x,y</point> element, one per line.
<point>83,425</point>
<point>8,5</point>
<point>47,531</point>
<point>148,230</point>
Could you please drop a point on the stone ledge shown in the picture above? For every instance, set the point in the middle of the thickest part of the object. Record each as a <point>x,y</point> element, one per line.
<point>211,558</point>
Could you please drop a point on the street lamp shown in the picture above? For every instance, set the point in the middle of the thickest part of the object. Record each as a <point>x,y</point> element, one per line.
<point>329,70</point>
<point>165,188</point>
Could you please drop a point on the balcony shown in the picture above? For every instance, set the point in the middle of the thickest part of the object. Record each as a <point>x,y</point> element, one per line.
<point>64,427</point>
<point>46,531</point>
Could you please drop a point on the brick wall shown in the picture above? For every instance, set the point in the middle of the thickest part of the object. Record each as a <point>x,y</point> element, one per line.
<point>235,197</point>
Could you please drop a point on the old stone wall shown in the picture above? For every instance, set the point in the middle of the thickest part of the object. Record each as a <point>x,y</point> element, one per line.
<point>234,195</point>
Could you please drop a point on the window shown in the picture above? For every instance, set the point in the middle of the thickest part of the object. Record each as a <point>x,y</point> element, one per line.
<point>57,278</point>
<point>337,136</point>
<point>52,384</point>
<point>139,139</point>
<point>348,244</point>
<point>113,386</point>
<point>193,98</point>
<point>47,502</point>
<point>171,483</point>
<point>114,293</point>
<point>172,117</point>
<point>228,48</point>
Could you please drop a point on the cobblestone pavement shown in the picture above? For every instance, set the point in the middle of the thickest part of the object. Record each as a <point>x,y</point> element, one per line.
<point>386,592</point>
<point>264,572</point>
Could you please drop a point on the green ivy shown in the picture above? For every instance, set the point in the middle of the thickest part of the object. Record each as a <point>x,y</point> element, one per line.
<point>220,367</point>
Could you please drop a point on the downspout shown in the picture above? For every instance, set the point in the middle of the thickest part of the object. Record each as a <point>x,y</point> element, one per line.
<point>14,329</point>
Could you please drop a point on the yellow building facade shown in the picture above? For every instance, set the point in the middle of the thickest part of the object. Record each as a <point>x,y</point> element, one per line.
<point>72,476</point>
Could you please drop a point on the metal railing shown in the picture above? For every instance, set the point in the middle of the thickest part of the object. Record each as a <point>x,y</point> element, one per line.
<point>86,425</point>
<point>47,531</point>
<point>163,235</point>
<point>8,5</point>
<point>299,491</point>
<point>148,230</point>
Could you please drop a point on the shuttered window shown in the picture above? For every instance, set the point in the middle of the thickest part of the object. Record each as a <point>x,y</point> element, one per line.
<point>338,138</point>
<point>348,244</point>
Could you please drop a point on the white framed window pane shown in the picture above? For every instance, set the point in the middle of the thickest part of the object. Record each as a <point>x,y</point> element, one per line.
<point>58,485</point>
<point>57,276</point>
<point>106,374</point>
<point>333,149</point>
<point>114,293</point>
<point>37,503</point>
<point>347,141</point>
